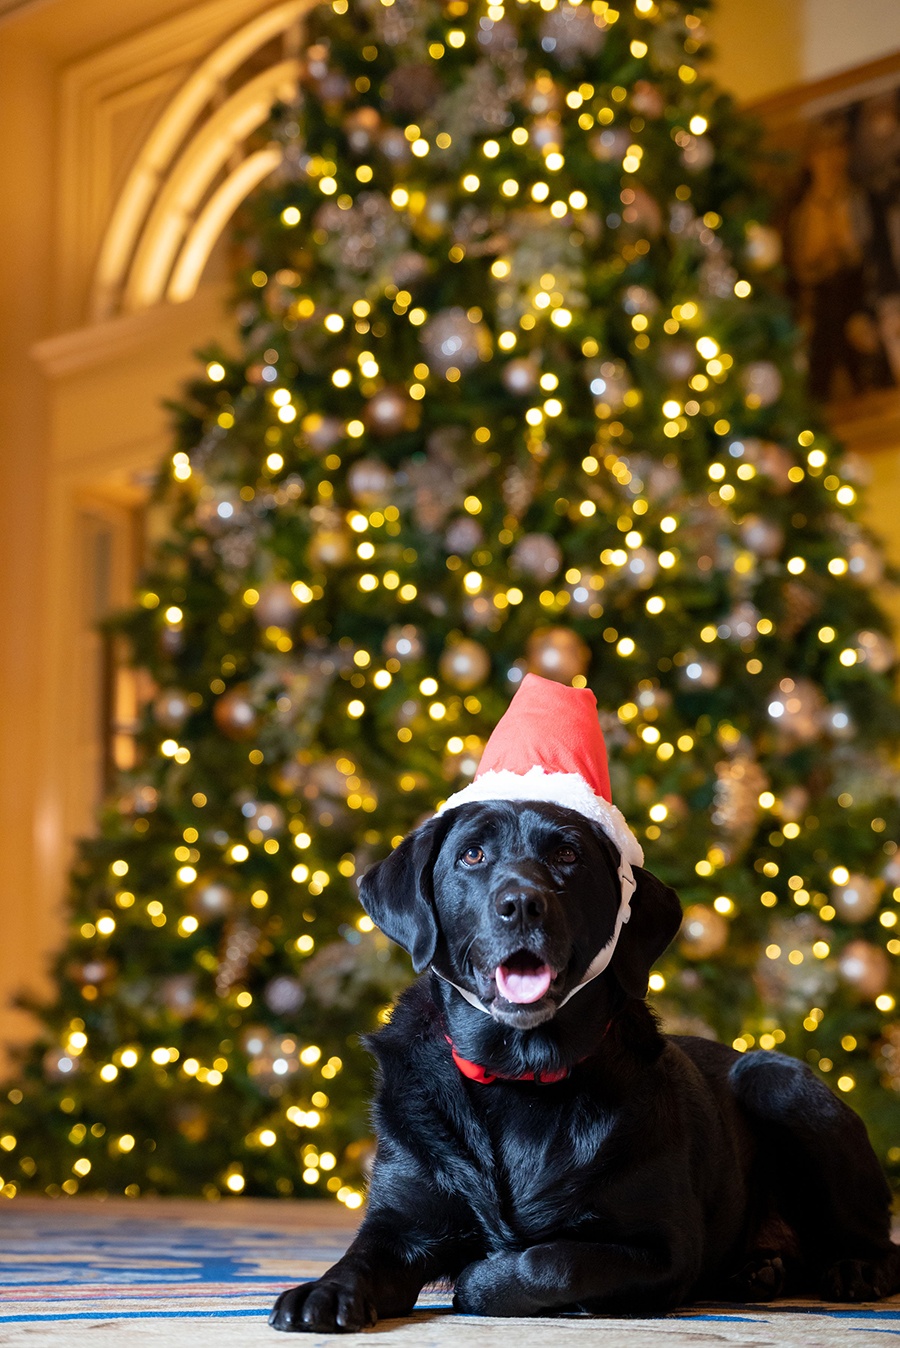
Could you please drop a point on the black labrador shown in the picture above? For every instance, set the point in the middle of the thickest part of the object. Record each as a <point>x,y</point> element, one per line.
<point>547,1156</point>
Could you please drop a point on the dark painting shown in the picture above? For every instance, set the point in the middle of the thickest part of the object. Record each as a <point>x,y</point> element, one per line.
<point>842,242</point>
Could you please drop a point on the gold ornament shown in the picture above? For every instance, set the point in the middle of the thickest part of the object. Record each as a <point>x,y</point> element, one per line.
<point>465,664</point>
<point>390,411</point>
<point>235,714</point>
<point>703,932</point>
<point>557,653</point>
<point>328,548</point>
<point>864,967</point>
<point>856,900</point>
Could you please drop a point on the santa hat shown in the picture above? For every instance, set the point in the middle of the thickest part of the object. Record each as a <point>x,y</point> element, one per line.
<point>548,746</point>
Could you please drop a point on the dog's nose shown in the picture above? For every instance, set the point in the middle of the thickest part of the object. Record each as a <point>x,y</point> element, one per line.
<point>522,906</point>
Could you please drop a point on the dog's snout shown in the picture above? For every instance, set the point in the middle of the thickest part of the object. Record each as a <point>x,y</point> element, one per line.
<point>520,905</point>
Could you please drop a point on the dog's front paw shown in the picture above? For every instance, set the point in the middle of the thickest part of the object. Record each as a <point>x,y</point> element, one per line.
<point>328,1306</point>
<point>492,1286</point>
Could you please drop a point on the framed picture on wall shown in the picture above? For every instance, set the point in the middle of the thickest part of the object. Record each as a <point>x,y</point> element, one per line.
<point>838,185</point>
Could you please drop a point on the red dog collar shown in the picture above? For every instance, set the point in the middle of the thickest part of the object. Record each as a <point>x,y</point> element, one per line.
<point>475,1072</point>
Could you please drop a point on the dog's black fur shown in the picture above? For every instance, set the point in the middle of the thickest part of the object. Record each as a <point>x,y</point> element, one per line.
<point>661,1170</point>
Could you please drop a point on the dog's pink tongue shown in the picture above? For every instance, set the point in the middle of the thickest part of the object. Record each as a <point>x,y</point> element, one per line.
<point>523,986</point>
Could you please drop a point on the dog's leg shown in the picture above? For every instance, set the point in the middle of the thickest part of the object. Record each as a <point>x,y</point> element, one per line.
<point>566,1273</point>
<point>827,1179</point>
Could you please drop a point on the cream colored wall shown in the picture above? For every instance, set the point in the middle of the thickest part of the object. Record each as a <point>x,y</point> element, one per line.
<point>82,82</point>
<point>81,411</point>
<point>764,46</point>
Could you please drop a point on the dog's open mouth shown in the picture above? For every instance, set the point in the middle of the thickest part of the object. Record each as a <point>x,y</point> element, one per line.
<point>523,978</point>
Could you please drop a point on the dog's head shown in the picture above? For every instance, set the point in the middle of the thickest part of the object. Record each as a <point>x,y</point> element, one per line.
<point>513,901</point>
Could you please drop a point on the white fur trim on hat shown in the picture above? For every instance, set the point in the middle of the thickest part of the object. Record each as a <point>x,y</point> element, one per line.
<point>557,788</point>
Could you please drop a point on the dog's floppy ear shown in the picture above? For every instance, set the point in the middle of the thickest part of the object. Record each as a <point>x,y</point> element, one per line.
<point>397,893</point>
<point>654,922</point>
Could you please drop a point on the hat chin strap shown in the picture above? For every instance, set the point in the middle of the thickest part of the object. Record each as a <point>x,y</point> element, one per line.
<point>598,964</point>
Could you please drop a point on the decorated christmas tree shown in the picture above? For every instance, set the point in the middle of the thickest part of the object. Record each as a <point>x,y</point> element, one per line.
<point>514,389</point>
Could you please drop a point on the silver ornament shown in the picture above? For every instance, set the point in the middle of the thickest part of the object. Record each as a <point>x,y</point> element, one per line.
<point>284,995</point>
<point>370,481</point>
<point>678,360</point>
<point>762,383</point>
<point>537,555</point>
<point>178,994</point>
<point>210,899</point>
<point>463,535</point>
<point>171,708</point>
<point>277,605</point>
<point>395,147</point>
<point>453,341</point>
<point>521,375</point>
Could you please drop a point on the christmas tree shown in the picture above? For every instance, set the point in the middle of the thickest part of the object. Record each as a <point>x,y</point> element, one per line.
<point>515,390</point>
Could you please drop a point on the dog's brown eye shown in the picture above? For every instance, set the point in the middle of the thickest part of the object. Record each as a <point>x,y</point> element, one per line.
<point>566,855</point>
<point>472,856</point>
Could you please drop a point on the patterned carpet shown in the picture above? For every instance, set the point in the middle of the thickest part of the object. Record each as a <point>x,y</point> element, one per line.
<point>171,1273</point>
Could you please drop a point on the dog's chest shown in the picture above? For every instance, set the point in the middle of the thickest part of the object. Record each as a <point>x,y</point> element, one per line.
<point>544,1161</point>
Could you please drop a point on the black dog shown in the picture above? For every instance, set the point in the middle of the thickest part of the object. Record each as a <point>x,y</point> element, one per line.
<point>548,1157</point>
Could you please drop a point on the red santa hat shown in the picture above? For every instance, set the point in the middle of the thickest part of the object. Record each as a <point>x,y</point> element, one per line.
<point>548,746</point>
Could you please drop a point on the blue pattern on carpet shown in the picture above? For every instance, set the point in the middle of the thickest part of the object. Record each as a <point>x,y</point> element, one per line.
<point>87,1264</point>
